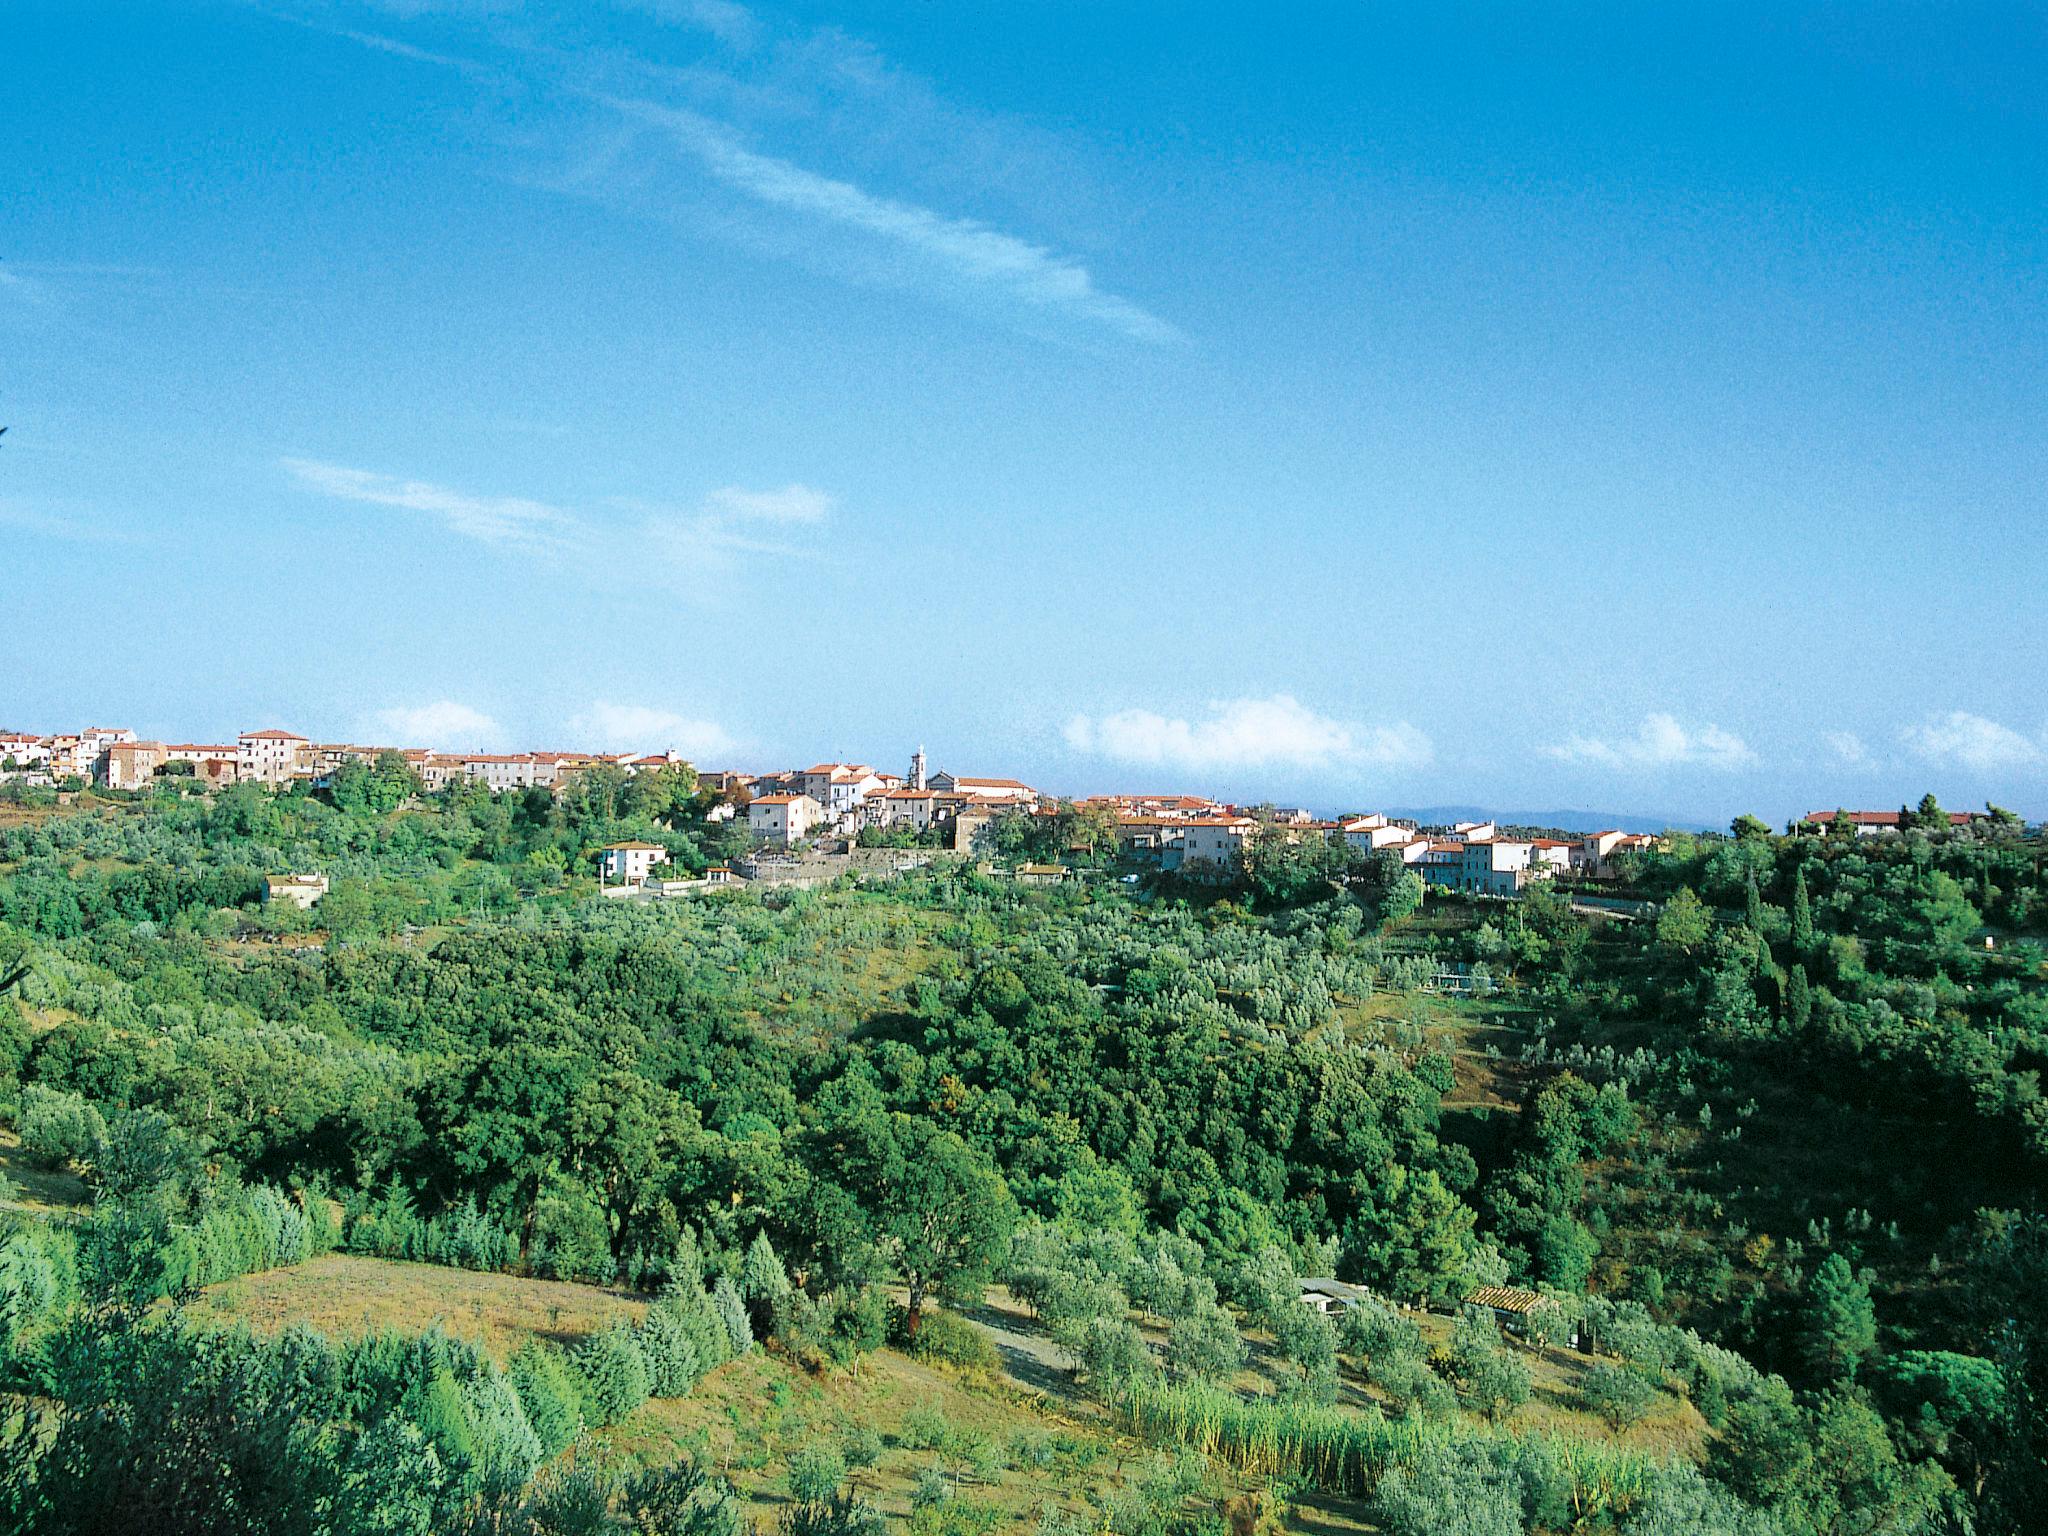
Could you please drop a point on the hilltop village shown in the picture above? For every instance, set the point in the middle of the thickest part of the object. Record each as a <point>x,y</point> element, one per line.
<point>827,808</point>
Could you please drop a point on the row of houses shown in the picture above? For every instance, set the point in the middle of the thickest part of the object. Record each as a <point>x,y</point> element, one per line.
<point>1467,856</point>
<point>845,799</point>
<point>783,808</point>
<point>117,758</point>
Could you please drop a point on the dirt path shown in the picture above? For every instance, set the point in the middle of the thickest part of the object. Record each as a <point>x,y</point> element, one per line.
<point>1029,1354</point>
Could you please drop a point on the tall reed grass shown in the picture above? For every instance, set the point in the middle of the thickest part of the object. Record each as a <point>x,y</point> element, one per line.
<point>1342,1452</point>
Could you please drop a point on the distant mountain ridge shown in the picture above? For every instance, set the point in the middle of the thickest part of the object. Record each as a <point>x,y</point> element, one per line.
<point>1564,821</point>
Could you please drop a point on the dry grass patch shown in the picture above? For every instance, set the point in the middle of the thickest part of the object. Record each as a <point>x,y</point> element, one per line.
<point>42,1190</point>
<point>343,1295</point>
<point>1008,1452</point>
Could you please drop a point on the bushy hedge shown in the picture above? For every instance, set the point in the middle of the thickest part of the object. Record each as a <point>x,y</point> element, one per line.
<point>38,1285</point>
<point>248,1228</point>
<point>949,1337</point>
<point>461,1237</point>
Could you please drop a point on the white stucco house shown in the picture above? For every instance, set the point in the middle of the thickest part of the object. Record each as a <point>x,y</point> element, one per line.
<point>630,863</point>
<point>784,819</point>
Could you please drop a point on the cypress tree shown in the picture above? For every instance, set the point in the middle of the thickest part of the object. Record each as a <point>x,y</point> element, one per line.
<point>1802,914</point>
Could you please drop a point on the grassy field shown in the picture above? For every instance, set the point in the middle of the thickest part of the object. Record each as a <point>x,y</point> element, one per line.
<point>1556,1376</point>
<point>1007,1451</point>
<point>1010,1446</point>
<point>343,1295</point>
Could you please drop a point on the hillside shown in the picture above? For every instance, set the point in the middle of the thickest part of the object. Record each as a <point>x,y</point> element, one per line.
<point>530,1166</point>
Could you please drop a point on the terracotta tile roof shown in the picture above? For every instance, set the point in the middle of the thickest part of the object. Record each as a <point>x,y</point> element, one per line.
<point>1882,818</point>
<point>1506,1298</point>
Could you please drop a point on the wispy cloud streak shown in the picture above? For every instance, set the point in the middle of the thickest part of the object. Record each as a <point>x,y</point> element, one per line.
<point>490,519</point>
<point>691,549</point>
<point>956,249</point>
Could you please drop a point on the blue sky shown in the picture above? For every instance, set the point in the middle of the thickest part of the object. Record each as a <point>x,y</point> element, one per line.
<point>1625,407</point>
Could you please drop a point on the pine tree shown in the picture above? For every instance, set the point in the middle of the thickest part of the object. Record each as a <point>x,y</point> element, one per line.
<point>686,1269</point>
<point>763,1281</point>
<point>548,1394</point>
<point>1841,1324</point>
<point>732,1314</point>
<point>671,1354</point>
<point>615,1372</point>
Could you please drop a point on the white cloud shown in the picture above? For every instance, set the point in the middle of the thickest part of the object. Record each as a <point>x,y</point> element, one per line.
<point>492,519</point>
<point>640,728</point>
<point>1974,742</point>
<point>691,551</point>
<point>791,504</point>
<point>696,551</point>
<point>731,24</point>
<point>951,247</point>
<point>90,526</point>
<point>444,726</point>
<point>1848,749</point>
<point>1660,741</point>
<point>1248,733</point>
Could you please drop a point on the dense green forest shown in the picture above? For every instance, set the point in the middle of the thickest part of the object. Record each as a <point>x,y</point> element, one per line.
<point>1772,1138</point>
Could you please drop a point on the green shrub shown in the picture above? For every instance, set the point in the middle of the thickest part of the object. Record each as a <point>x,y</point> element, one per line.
<point>861,1446</point>
<point>679,1499</point>
<point>701,1323</point>
<point>1375,1331</point>
<point>1415,1389</point>
<point>1489,1379</point>
<point>571,1240</point>
<point>1620,1394</point>
<point>842,1515</point>
<point>1452,1491</point>
<point>933,1486</point>
<point>504,1447</point>
<point>925,1427</point>
<point>59,1129</point>
<point>816,1472</point>
<point>949,1338</point>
